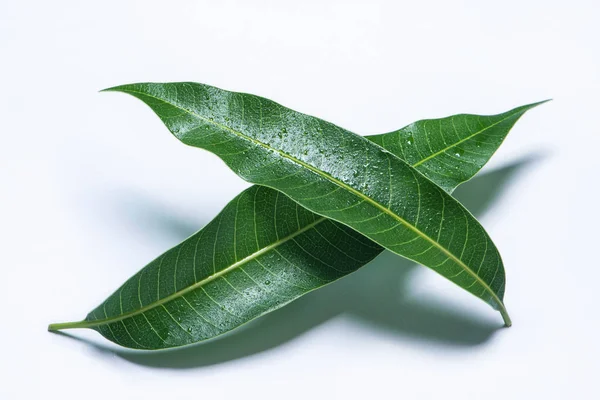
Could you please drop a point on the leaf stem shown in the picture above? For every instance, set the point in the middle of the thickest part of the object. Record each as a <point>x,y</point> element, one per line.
<point>70,325</point>
<point>505,316</point>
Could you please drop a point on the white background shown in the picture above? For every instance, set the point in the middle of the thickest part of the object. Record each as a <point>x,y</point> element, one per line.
<point>92,186</point>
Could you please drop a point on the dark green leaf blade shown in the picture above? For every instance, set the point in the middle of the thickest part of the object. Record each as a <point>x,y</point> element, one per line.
<point>123,327</point>
<point>451,150</point>
<point>336,174</point>
<point>261,252</point>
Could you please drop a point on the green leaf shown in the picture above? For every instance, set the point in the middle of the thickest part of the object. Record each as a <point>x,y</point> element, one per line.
<point>336,174</point>
<point>261,252</point>
<point>242,262</point>
<point>450,151</point>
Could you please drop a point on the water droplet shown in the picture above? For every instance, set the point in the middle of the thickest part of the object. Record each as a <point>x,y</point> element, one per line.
<point>459,152</point>
<point>189,329</point>
<point>410,140</point>
<point>284,130</point>
<point>267,282</point>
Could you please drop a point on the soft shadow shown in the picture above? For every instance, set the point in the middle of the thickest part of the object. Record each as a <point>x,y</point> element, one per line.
<point>480,193</point>
<point>377,296</point>
<point>155,220</point>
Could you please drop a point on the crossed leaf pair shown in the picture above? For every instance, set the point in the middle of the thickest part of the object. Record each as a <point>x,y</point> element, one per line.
<point>326,202</point>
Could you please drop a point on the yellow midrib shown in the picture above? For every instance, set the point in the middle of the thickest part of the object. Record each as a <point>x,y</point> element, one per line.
<point>206,280</point>
<point>437,153</point>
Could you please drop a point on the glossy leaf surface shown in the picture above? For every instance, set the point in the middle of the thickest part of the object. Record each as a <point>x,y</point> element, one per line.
<point>336,174</point>
<point>235,274</point>
<point>261,252</point>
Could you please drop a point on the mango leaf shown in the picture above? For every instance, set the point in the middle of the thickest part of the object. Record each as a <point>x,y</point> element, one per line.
<point>132,324</point>
<point>450,151</point>
<point>261,252</point>
<point>336,174</point>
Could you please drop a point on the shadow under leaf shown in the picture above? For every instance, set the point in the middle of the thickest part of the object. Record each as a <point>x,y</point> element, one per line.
<point>376,296</point>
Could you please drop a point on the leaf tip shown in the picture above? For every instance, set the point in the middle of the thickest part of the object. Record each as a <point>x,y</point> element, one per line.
<point>539,103</point>
<point>533,105</point>
<point>120,88</point>
<point>519,111</point>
